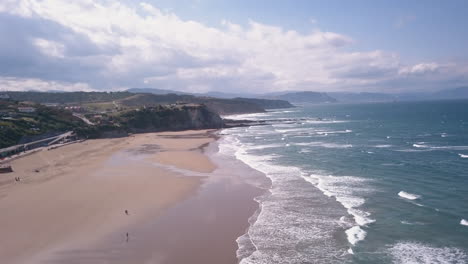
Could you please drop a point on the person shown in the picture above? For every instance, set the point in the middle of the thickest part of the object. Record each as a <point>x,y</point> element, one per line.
<point>127,237</point>
<point>126,212</point>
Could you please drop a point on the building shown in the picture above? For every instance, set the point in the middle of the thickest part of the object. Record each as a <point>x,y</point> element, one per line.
<point>26,109</point>
<point>51,104</point>
<point>4,96</point>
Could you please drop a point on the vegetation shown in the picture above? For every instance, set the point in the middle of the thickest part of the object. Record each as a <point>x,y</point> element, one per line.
<point>68,97</point>
<point>16,126</point>
<point>112,101</point>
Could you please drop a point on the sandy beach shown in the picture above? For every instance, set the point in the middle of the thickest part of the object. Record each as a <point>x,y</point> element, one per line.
<point>69,206</point>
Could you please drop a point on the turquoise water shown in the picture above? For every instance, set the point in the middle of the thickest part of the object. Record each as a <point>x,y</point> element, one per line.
<point>368,183</point>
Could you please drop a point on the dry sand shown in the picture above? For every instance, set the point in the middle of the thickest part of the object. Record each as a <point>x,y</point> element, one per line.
<point>76,195</point>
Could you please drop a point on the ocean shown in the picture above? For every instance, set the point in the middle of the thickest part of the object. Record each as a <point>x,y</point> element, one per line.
<point>357,183</point>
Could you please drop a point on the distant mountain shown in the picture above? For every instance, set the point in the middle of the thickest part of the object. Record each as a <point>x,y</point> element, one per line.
<point>456,93</point>
<point>266,103</point>
<point>67,97</point>
<point>226,95</point>
<point>305,97</point>
<point>153,91</point>
<point>207,94</point>
<point>362,97</point>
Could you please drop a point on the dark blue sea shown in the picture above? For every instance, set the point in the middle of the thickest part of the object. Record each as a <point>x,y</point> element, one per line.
<point>357,183</point>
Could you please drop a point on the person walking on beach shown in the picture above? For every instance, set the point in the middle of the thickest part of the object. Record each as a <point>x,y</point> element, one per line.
<point>126,212</point>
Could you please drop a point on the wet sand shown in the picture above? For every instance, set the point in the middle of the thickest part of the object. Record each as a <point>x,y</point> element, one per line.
<point>182,207</point>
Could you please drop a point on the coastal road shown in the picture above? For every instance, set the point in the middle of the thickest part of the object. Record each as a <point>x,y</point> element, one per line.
<point>82,117</point>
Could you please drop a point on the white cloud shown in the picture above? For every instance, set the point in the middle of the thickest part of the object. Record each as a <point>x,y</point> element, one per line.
<point>420,69</point>
<point>26,84</point>
<point>147,46</point>
<point>50,48</point>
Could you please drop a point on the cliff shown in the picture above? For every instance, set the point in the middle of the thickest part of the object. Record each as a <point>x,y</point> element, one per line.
<point>178,117</point>
<point>153,119</point>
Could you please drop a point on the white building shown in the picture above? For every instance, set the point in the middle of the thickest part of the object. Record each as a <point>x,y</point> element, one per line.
<point>4,96</point>
<point>26,109</point>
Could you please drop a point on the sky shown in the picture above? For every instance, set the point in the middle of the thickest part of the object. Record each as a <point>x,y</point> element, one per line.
<point>234,46</point>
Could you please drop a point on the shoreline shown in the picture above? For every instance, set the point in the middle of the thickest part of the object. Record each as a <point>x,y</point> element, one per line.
<point>72,199</point>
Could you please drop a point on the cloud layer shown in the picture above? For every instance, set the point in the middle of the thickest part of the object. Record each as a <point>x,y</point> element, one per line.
<point>91,44</point>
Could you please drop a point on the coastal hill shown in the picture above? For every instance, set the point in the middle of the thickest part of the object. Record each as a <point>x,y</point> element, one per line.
<point>25,122</point>
<point>218,105</point>
<point>109,100</point>
<point>22,123</point>
<point>32,116</point>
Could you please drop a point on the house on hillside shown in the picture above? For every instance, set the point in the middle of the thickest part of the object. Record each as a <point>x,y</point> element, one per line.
<point>26,109</point>
<point>51,104</point>
<point>4,97</point>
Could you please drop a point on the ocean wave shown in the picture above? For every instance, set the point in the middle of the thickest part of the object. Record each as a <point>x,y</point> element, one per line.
<point>409,196</point>
<point>325,121</point>
<point>323,145</point>
<point>463,156</point>
<point>254,116</point>
<point>267,146</point>
<point>345,189</point>
<point>413,150</point>
<point>289,130</point>
<point>422,145</point>
<point>334,132</point>
<point>383,146</point>
<point>304,151</point>
<point>411,223</point>
<point>283,217</point>
<point>414,252</point>
<point>355,234</point>
<point>464,222</point>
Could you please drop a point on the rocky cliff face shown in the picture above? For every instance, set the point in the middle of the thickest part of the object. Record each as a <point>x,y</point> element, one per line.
<point>175,117</point>
<point>154,119</point>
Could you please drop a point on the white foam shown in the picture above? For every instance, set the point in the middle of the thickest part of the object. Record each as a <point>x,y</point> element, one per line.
<point>464,222</point>
<point>383,146</point>
<point>267,146</point>
<point>255,116</point>
<point>421,145</point>
<point>409,196</point>
<point>355,234</point>
<point>417,253</point>
<point>411,223</point>
<point>304,151</point>
<point>259,245</point>
<point>289,130</point>
<point>325,121</point>
<point>463,156</point>
<point>334,132</point>
<point>345,189</point>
